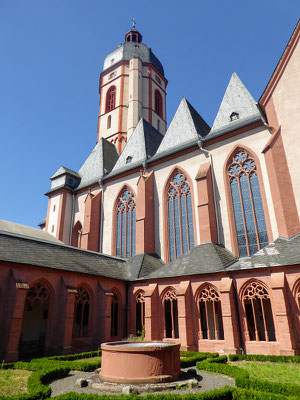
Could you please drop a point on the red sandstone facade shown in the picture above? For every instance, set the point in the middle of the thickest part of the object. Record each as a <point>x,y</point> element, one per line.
<point>251,310</point>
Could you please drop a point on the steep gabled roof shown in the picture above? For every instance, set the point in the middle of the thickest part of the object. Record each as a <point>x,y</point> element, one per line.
<point>100,162</point>
<point>63,170</point>
<point>141,146</point>
<point>236,101</point>
<point>141,265</point>
<point>186,128</point>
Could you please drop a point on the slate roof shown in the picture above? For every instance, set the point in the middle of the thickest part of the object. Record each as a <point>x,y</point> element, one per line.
<point>64,170</point>
<point>100,162</point>
<point>238,100</point>
<point>141,146</point>
<point>26,231</point>
<point>185,129</point>
<point>141,265</point>
<point>128,50</point>
<point>204,259</point>
<point>281,252</point>
<point>29,251</point>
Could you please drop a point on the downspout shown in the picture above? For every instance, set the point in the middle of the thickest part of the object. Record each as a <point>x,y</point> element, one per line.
<point>200,144</point>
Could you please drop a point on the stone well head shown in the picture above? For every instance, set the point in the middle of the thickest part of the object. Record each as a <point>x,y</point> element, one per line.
<point>140,362</point>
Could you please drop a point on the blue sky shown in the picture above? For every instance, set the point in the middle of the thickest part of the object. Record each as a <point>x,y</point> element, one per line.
<point>52,53</point>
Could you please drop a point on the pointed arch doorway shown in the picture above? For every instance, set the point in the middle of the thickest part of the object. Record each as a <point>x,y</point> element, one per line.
<point>34,325</point>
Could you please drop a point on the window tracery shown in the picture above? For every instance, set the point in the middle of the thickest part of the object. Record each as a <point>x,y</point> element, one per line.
<point>259,317</point>
<point>81,314</point>
<point>180,216</point>
<point>248,210</point>
<point>38,294</point>
<point>171,314</point>
<point>210,314</point>
<point>126,225</point>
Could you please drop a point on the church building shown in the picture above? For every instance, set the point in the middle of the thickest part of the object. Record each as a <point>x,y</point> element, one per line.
<point>180,232</point>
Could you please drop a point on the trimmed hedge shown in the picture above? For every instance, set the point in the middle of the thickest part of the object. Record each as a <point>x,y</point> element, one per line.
<point>261,357</point>
<point>217,394</point>
<point>249,394</point>
<point>191,357</point>
<point>242,379</point>
<point>77,356</point>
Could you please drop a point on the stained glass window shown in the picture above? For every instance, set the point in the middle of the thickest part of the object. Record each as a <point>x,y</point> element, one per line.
<point>250,223</point>
<point>125,241</point>
<point>180,216</point>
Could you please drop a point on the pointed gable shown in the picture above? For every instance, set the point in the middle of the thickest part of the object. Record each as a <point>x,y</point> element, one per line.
<point>100,162</point>
<point>186,127</point>
<point>142,145</point>
<point>238,108</point>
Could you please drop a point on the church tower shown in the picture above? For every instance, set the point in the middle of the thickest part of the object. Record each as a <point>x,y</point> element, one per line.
<point>132,86</point>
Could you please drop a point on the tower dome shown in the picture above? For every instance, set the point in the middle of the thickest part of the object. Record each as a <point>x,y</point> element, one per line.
<point>132,86</point>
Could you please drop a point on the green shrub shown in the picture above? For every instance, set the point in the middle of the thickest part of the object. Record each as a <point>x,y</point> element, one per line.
<point>261,357</point>
<point>217,394</point>
<point>250,394</point>
<point>191,357</point>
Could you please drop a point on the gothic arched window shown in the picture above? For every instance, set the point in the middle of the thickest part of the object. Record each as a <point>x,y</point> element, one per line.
<point>180,216</point>
<point>210,314</point>
<point>250,223</point>
<point>258,310</point>
<point>158,107</point>
<point>125,235</point>
<point>171,314</point>
<point>81,314</point>
<point>140,313</point>
<point>110,99</point>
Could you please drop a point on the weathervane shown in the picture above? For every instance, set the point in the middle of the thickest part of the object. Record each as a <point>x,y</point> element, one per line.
<point>133,23</point>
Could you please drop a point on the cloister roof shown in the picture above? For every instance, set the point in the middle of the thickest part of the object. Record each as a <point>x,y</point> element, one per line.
<point>281,252</point>
<point>19,249</point>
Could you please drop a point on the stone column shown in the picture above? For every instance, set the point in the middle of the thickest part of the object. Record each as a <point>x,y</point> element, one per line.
<point>108,301</point>
<point>69,321</point>
<point>229,317</point>
<point>151,313</point>
<point>185,326</point>
<point>284,333</point>
<point>12,353</point>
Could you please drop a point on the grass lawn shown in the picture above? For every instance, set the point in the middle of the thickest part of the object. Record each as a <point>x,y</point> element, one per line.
<point>13,381</point>
<point>275,372</point>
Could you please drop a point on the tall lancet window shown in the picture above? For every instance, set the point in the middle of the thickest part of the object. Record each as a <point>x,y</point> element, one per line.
<point>250,223</point>
<point>125,245</point>
<point>180,216</point>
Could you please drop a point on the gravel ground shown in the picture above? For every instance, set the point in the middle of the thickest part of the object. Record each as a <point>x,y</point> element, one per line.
<point>208,381</point>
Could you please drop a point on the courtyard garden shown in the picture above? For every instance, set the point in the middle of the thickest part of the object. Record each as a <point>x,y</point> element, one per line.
<point>255,377</point>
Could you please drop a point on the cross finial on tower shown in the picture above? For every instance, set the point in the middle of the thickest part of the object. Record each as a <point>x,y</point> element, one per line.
<point>133,23</point>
